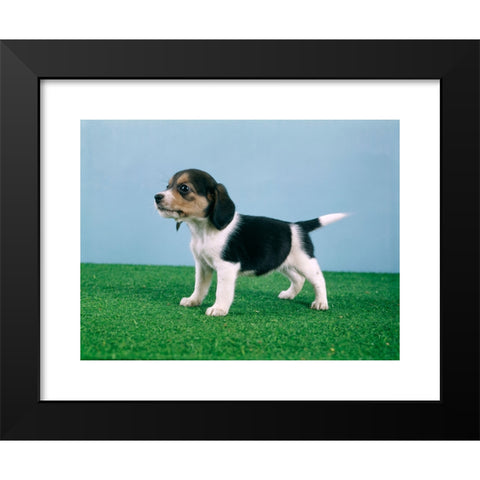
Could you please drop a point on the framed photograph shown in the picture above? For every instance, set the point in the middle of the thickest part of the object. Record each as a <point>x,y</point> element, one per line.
<point>118,155</point>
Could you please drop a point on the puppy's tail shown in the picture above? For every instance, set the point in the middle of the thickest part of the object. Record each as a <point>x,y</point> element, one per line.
<point>310,225</point>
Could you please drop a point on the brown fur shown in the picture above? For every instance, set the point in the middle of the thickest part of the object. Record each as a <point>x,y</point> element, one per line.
<point>190,205</point>
<point>204,198</point>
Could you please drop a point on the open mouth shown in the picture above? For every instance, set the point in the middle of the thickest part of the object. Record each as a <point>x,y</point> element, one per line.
<point>168,211</point>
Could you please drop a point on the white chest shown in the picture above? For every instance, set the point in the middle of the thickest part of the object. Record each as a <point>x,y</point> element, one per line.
<point>207,249</point>
<point>207,244</point>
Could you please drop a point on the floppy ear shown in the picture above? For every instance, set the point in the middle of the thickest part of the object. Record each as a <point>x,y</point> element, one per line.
<point>223,208</point>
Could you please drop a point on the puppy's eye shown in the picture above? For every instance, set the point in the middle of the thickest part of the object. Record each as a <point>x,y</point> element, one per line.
<point>183,188</point>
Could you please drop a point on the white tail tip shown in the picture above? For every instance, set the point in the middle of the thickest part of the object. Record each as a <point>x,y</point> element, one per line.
<point>330,218</point>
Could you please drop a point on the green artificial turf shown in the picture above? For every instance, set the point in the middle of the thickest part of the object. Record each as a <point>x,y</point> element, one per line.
<point>132,312</point>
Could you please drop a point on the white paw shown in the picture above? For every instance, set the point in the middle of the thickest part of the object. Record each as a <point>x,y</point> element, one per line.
<point>189,302</point>
<point>286,295</point>
<point>319,305</point>
<point>216,311</point>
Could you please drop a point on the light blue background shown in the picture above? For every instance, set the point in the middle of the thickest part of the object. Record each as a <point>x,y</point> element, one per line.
<point>291,170</point>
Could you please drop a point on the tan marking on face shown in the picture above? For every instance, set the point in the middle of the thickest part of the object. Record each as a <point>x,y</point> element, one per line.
<point>190,205</point>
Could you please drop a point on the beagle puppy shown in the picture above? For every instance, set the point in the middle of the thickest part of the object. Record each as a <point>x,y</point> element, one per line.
<point>234,244</point>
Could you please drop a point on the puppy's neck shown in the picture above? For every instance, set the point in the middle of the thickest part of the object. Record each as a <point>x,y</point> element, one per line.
<point>199,226</point>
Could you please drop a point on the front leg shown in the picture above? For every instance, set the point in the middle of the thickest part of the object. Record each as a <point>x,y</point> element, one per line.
<point>226,277</point>
<point>203,279</point>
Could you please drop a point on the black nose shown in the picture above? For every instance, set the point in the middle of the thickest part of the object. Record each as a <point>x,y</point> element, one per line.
<point>158,197</point>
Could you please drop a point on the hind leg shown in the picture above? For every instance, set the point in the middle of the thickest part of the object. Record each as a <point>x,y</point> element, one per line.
<point>296,284</point>
<point>309,268</point>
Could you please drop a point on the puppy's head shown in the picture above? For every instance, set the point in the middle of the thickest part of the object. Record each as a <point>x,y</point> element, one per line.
<point>194,194</point>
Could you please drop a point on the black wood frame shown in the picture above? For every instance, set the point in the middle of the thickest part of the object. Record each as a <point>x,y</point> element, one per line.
<point>25,63</point>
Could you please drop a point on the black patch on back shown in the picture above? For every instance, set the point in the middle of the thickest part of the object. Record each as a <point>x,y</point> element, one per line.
<point>260,244</point>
